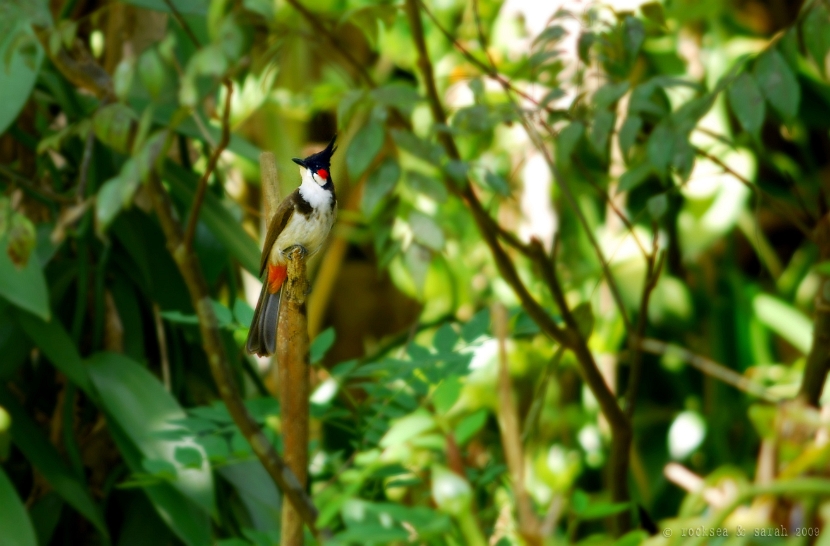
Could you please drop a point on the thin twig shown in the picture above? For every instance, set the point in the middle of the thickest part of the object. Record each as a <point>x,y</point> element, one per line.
<point>182,23</point>
<point>489,71</point>
<point>654,266</point>
<point>508,418</point>
<point>83,173</point>
<point>707,366</point>
<point>211,166</point>
<point>760,191</point>
<point>322,28</point>
<point>163,356</point>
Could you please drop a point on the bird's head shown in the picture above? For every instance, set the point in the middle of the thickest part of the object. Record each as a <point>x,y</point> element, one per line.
<point>318,165</point>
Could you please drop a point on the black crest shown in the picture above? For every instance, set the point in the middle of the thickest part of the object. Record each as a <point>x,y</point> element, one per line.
<point>320,160</point>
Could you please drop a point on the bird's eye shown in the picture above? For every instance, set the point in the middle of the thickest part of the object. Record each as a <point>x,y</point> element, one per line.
<point>323,173</point>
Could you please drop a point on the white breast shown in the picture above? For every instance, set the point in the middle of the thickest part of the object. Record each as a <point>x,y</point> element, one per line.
<point>309,231</point>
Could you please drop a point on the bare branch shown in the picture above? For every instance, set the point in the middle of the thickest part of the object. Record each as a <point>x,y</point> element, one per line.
<point>292,354</point>
<point>190,231</point>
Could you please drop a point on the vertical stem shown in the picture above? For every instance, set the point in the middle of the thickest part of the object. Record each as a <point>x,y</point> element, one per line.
<point>511,434</point>
<point>292,354</point>
<point>818,361</point>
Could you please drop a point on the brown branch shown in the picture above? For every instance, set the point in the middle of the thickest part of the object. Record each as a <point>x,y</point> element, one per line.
<point>292,353</point>
<point>653,268</point>
<point>511,440</point>
<point>569,337</point>
<point>818,360</point>
<point>182,23</point>
<point>190,231</point>
<point>489,71</point>
<point>218,361</point>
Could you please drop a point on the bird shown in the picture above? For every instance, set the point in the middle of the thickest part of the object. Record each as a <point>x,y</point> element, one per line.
<point>303,219</point>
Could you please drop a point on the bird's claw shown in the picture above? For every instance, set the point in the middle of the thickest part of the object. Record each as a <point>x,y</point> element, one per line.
<point>290,250</point>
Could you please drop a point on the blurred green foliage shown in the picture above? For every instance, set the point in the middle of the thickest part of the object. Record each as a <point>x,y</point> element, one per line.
<point>690,142</point>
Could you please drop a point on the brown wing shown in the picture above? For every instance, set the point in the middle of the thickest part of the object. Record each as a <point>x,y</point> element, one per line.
<point>278,223</point>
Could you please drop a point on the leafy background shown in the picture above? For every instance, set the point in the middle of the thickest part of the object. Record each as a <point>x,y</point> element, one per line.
<point>577,292</point>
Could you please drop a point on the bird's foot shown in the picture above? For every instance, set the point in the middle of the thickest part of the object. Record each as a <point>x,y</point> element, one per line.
<point>290,250</point>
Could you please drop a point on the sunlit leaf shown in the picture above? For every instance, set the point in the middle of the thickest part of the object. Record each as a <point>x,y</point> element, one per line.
<point>139,403</point>
<point>785,320</point>
<point>426,231</point>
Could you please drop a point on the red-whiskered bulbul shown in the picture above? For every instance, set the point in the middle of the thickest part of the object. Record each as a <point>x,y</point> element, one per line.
<point>304,219</point>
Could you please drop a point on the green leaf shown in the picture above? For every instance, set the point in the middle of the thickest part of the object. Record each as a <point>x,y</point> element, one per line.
<point>22,239</point>
<point>600,130</point>
<point>633,37</point>
<point>138,402</point>
<point>567,140</point>
<point>420,148</point>
<point>634,176</point>
<point>152,72</point>
<point>426,231</point>
<point>469,426</point>
<point>186,519</point>
<point>778,84</point>
<point>191,7</point>
<point>25,286</point>
<point>457,171</point>
<point>15,525</point>
<point>379,184</point>
<point>747,103</point>
<point>242,312</point>
<point>628,133</point>
<point>609,94</point>
<point>657,205</point>
<point>189,457</point>
<point>54,341</point>
<point>164,470</point>
<point>20,58</point>
<point>478,326</point>
<point>654,12</point>
<point>426,185</point>
<point>397,95</point>
<point>814,31</point>
<point>364,147</point>
<point>496,183</point>
<point>445,339</point>
<point>550,34</point>
<point>660,147</point>
<point>29,439</point>
<point>446,394</point>
<point>321,345</point>
<point>785,320</point>
<point>114,124</point>
<point>407,428</point>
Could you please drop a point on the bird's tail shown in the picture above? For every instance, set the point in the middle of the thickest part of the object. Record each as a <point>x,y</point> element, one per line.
<point>262,337</point>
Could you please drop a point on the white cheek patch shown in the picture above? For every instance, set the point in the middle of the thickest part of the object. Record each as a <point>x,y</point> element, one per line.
<point>311,190</point>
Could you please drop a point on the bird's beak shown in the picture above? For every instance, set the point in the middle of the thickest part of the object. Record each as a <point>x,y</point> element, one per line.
<point>298,161</point>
